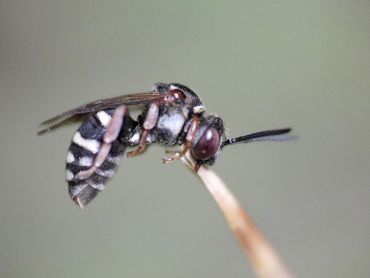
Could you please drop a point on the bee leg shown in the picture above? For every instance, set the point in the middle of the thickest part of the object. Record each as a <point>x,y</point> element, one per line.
<point>113,127</point>
<point>142,145</point>
<point>197,166</point>
<point>190,135</point>
<point>149,122</point>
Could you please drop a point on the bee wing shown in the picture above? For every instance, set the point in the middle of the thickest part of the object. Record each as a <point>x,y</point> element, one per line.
<point>82,112</point>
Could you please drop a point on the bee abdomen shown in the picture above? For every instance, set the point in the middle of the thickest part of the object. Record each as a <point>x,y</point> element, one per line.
<point>84,177</point>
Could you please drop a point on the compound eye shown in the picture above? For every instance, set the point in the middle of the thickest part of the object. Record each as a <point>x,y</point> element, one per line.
<point>207,145</point>
<point>175,95</point>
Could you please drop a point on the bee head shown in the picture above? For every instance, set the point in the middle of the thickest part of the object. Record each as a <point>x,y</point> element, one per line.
<point>206,147</point>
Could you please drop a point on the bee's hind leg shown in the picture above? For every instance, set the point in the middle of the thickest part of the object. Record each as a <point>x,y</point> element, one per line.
<point>113,127</point>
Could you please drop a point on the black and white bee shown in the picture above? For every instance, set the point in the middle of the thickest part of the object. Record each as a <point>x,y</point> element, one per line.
<point>171,114</point>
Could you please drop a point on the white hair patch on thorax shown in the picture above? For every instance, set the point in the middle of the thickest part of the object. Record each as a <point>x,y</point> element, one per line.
<point>173,123</point>
<point>104,118</point>
<point>134,139</point>
<point>173,87</point>
<point>199,109</point>
<point>90,145</point>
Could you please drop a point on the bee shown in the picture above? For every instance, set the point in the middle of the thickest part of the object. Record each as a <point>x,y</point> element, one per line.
<point>171,114</point>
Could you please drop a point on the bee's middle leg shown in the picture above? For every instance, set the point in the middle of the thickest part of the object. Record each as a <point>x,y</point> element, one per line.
<point>150,121</point>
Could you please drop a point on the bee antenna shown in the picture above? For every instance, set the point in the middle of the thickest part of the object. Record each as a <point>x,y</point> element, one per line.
<point>252,136</point>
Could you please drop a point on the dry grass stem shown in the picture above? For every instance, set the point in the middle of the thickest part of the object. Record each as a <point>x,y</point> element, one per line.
<point>264,259</point>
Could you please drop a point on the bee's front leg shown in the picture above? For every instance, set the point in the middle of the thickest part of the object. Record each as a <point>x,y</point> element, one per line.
<point>190,135</point>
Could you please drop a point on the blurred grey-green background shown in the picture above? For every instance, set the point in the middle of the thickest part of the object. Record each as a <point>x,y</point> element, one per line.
<point>259,65</point>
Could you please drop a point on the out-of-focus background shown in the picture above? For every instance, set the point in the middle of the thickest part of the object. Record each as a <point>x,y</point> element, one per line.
<point>259,65</point>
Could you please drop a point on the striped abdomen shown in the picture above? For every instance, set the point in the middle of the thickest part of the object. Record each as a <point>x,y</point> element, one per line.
<point>94,154</point>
